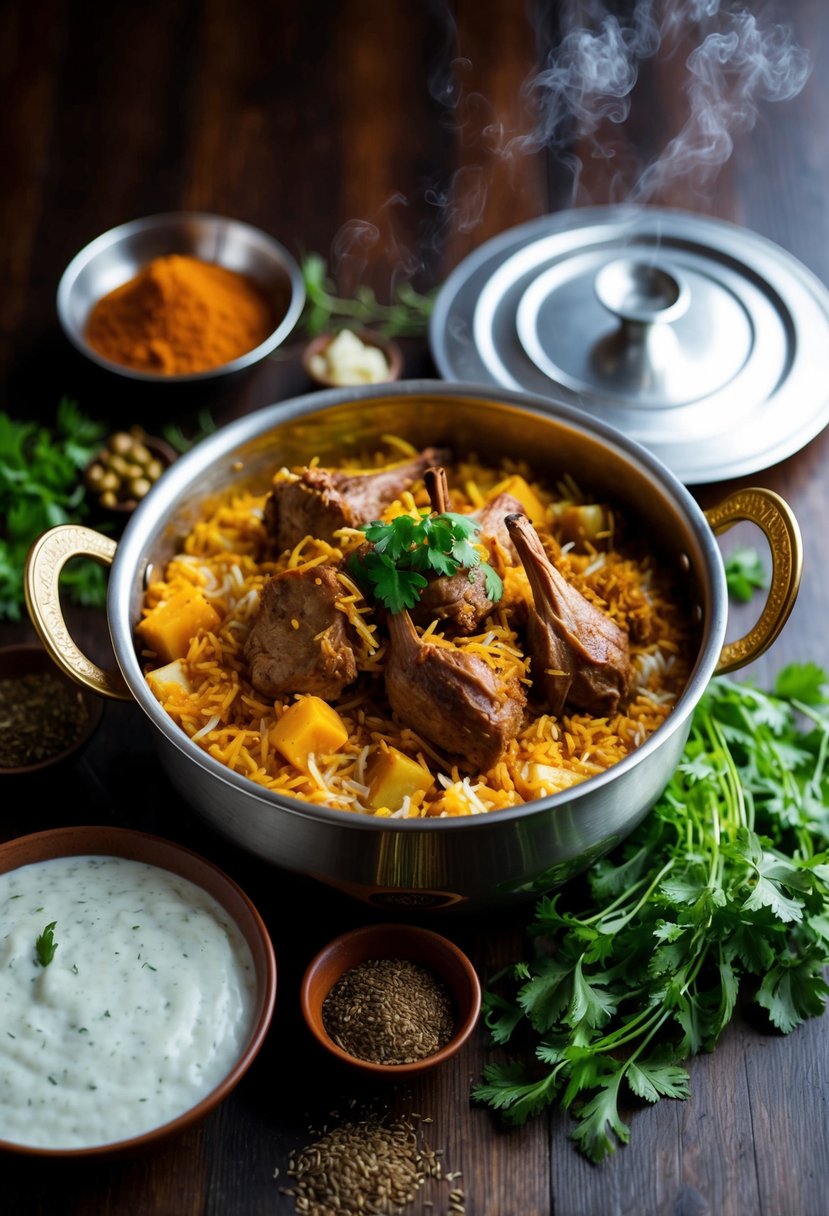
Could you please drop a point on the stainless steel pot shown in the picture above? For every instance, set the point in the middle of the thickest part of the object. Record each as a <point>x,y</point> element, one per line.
<point>475,862</point>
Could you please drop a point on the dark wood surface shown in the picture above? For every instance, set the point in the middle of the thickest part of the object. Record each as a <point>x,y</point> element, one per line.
<point>384,136</point>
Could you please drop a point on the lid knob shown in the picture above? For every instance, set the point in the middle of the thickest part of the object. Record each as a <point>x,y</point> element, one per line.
<point>645,298</point>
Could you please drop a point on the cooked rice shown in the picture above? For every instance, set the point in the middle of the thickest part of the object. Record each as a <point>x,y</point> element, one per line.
<point>224,556</point>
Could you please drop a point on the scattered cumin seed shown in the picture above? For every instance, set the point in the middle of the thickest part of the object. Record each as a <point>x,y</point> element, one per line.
<point>369,1166</point>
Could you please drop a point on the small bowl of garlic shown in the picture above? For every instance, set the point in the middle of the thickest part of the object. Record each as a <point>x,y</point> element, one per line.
<point>351,357</point>
<point>125,469</point>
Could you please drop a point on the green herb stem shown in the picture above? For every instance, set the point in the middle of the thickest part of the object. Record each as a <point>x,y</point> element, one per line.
<point>406,315</point>
<point>724,894</point>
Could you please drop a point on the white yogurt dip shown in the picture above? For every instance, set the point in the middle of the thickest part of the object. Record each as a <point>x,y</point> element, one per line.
<point>145,1006</point>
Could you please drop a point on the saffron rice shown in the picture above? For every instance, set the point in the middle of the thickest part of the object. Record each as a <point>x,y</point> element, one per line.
<point>225,556</point>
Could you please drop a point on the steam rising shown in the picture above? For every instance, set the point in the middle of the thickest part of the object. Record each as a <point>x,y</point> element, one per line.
<point>726,60</point>
<point>590,77</point>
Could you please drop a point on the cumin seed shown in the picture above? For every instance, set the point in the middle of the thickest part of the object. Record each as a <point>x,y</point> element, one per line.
<point>389,1011</point>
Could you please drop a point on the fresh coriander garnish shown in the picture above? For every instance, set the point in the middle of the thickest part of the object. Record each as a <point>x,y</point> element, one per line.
<point>405,550</point>
<point>45,945</point>
<point>744,574</point>
<point>723,892</point>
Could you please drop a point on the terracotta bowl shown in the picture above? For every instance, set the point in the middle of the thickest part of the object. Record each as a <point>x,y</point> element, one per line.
<point>30,659</point>
<point>392,941</point>
<point>317,346</point>
<point>166,855</point>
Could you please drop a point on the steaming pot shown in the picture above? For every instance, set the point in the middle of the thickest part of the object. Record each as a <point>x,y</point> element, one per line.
<point>460,863</point>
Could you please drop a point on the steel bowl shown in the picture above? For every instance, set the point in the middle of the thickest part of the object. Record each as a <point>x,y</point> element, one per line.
<point>475,862</point>
<point>116,256</point>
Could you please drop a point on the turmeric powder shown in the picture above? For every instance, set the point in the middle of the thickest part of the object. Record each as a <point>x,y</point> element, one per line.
<point>180,314</point>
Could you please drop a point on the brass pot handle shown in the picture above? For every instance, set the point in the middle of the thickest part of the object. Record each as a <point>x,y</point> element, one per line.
<point>46,558</point>
<point>774,517</point>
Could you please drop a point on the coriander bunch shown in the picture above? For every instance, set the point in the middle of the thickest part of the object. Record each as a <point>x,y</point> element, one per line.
<point>41,485</point>
<point>722,892</point>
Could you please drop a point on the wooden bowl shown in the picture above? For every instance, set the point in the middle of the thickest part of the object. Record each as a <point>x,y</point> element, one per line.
<point>430,950</point>
<point>29,662</point>
<point>235,908</point>
<point>318,346</point>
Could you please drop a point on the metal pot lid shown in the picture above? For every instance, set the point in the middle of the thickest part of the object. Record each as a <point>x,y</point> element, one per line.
<point>697,338</point>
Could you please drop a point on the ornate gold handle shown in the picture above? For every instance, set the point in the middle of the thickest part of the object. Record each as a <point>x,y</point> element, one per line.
<point>46,558</point>
<point>774,517</point>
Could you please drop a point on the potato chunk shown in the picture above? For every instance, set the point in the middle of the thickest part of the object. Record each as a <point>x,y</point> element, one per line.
<point>167,679</point>
<point>392,776</point>
<point>539,780</point>
<point>169,627</point>
<point>520,488</point>
<point>309,727</point>
<point>588,523</point>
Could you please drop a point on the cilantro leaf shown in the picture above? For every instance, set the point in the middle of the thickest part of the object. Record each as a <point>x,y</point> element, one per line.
<point>721,892</point>
<point>45,945</point>
<point>492,582</point>
<point>507,1088</point>
<point>652,1079</point>
<point>802,682</point>
<point>599,1121</point>
<point>41,485</point>
<point>744,573</point>
<point>792,992</point>
<point>397,588</point>
<point>406,550</point>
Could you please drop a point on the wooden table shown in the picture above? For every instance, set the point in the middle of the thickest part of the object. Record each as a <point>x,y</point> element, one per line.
<point>383,136</point>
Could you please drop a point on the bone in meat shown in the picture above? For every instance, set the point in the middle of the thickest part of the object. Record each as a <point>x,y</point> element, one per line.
<point>458,599</point>
<point>579,654</point>
<point>453,699</point>
<point>321,500</point>
<point>494,532</point>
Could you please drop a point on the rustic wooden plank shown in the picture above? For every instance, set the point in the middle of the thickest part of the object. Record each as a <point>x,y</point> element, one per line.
<point>301,119</point>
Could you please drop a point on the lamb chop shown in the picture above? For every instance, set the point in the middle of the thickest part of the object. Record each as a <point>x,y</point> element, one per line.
<point>320,500</point>
<point>298,642</point>
<point>453,699</point>
<point>459,599</point>
<point>579,654</point>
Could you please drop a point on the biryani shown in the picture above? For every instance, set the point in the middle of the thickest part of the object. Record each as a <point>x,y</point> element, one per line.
<point>414,635</point>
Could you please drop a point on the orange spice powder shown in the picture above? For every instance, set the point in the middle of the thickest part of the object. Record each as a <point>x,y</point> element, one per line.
<point>180,314</point>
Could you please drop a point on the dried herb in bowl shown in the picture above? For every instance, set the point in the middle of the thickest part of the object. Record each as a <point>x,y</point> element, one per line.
<point>389,1011</point>
<point>45,717</point>
<point>391,1000</point>
<point>40,717</point>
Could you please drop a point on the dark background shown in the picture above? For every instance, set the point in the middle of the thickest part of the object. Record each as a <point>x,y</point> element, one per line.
<point>393,138</point>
